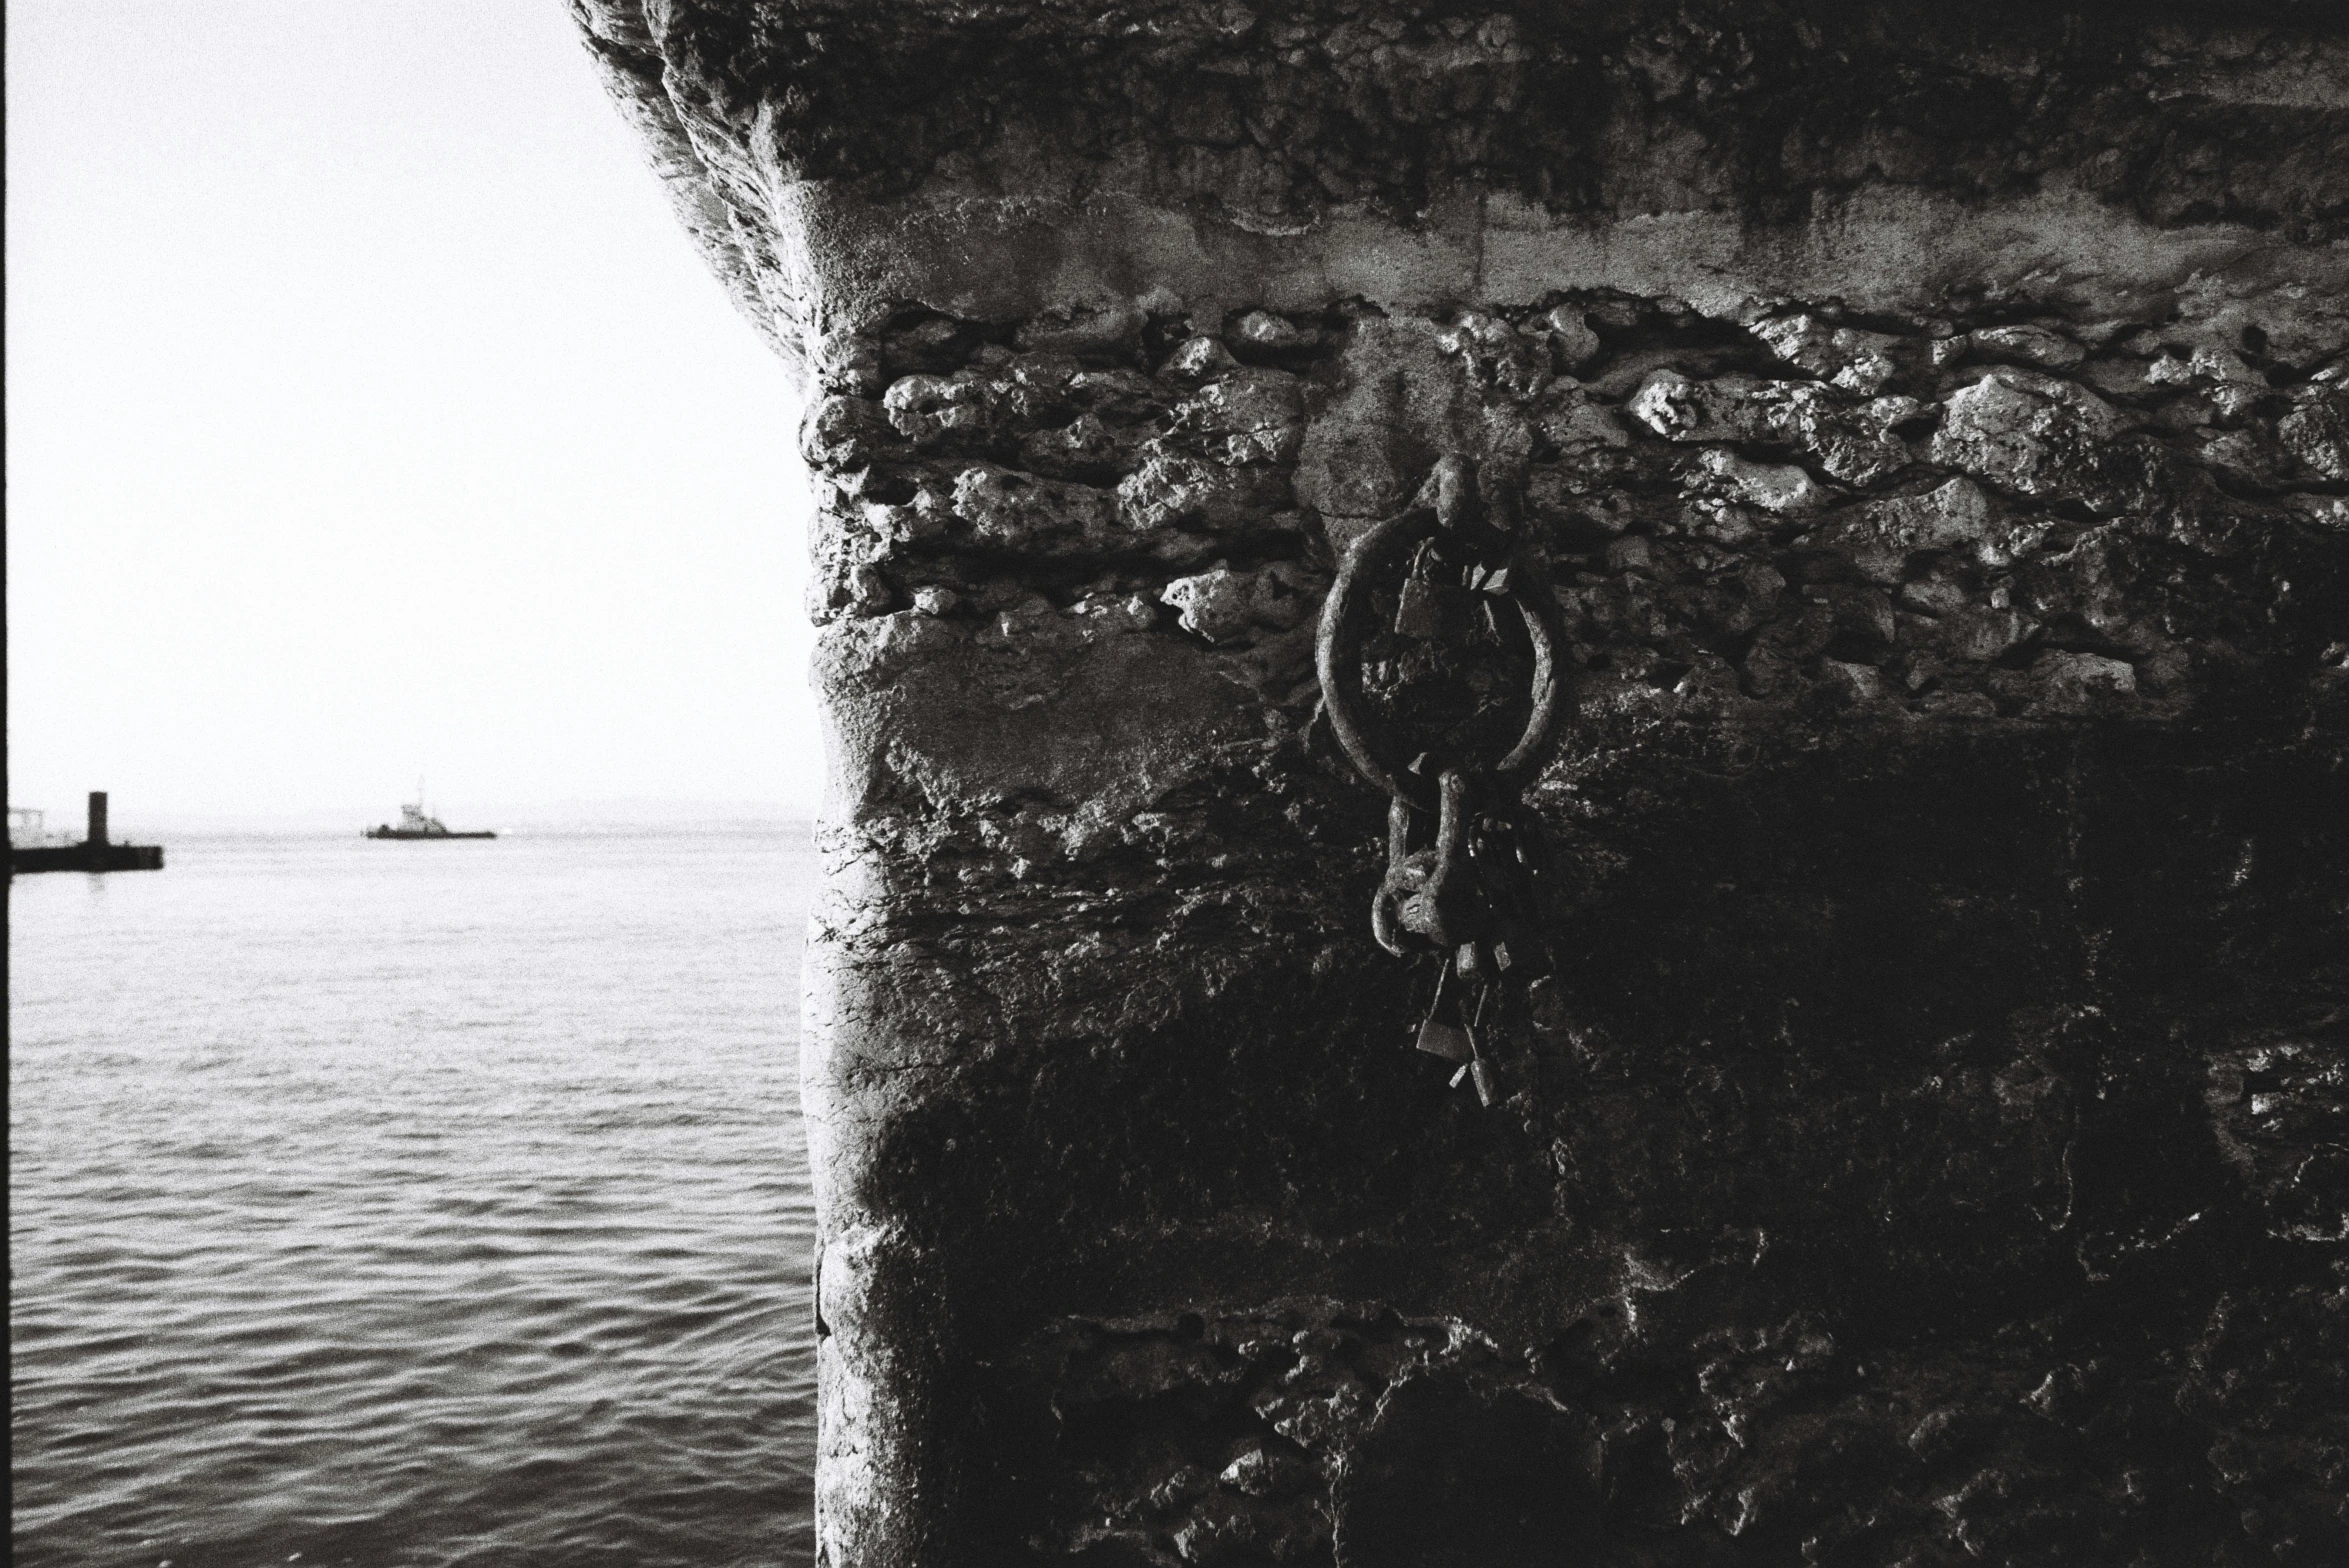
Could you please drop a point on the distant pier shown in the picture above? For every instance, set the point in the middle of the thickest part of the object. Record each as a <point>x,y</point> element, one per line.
<point>96,852</point>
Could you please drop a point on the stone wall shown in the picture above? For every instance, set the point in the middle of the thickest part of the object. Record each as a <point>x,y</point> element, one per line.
<point>1933,1146</point>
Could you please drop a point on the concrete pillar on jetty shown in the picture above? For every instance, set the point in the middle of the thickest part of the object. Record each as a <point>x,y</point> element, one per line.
<point>1927,429</point>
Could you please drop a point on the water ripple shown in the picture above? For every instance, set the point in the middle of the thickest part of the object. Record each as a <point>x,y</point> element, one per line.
<point>372,1206</point>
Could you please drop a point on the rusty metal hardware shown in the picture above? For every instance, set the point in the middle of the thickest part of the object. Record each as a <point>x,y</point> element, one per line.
<point>1445,1038</point>
<point>1465,855</point>
<point>1516,578</point>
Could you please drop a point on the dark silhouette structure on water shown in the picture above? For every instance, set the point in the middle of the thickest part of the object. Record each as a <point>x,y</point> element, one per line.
<point>417,823</point>
<point>96,852</point>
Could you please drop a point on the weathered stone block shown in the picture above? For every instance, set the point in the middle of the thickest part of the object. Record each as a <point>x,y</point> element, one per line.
<point>1929,419</point>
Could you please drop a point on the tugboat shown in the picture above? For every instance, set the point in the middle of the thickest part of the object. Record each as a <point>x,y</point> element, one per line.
<point>415,823</point>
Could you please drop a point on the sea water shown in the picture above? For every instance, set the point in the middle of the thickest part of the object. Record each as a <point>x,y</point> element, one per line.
<point>413,1203</point>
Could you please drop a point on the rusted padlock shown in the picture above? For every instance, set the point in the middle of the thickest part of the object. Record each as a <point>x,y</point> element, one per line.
<point>1433,609</point>
<point>1445,1040</point>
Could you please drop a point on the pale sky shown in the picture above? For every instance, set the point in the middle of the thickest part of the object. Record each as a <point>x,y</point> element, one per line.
<point>368,416</point>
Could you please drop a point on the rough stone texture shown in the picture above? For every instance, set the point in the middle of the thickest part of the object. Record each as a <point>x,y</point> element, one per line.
<point>1934,1147</point>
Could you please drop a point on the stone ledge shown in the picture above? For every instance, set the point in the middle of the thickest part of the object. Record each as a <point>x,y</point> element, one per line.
<point>1334,122</point>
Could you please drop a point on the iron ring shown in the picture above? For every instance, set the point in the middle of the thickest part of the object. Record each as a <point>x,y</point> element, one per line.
<point>1338,660</point>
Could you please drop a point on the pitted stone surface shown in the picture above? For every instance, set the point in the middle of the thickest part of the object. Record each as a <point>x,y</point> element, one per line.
<point>1768,640</point>
<point>1934,423</point>
<point>1986,539</point>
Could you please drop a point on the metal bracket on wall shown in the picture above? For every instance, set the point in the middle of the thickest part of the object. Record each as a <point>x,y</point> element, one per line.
<point>1465,854</point>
